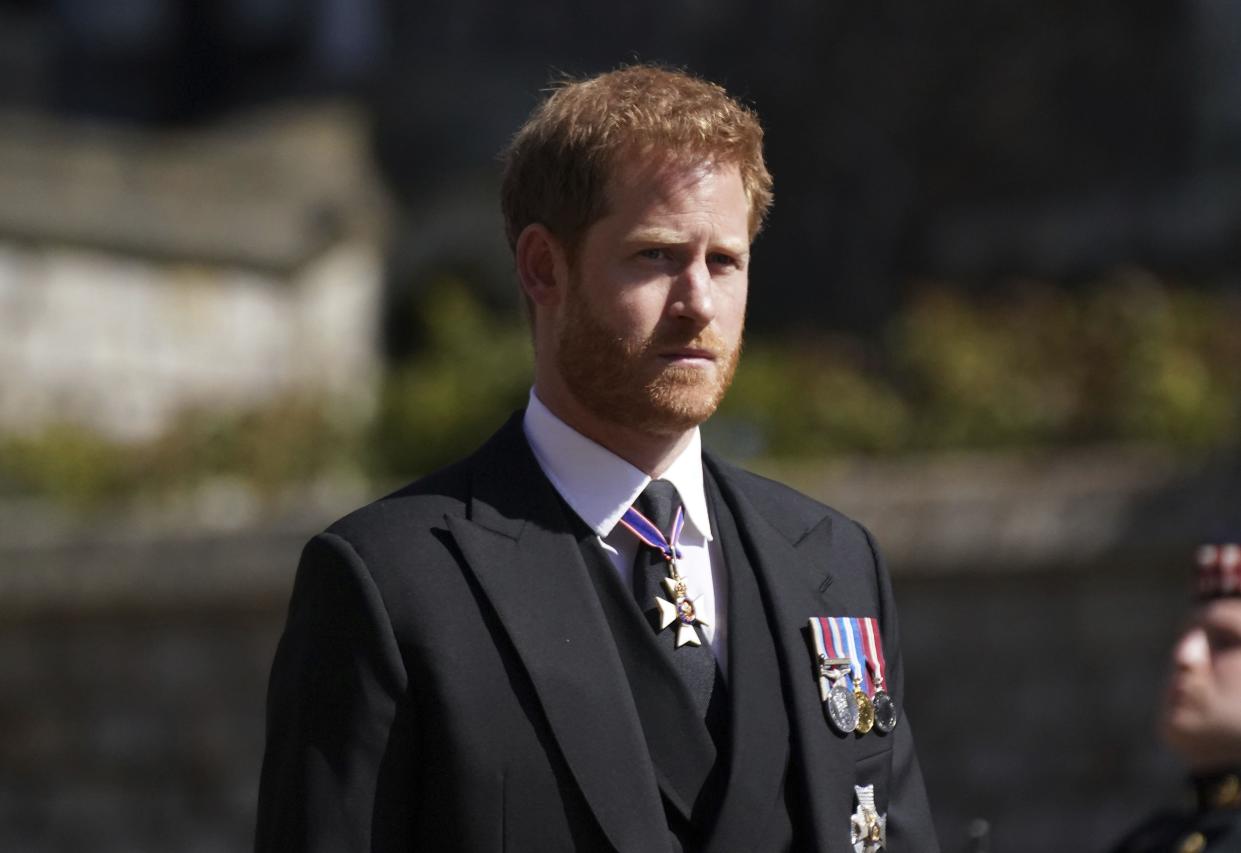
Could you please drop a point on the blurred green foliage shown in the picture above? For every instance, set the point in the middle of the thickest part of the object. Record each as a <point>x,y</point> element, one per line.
<point>288,441</point>
<point>813,397</point>
<point>1127,360</point>
<point>474,370</point>
<point>1130,359</point>
<point>65,463</point>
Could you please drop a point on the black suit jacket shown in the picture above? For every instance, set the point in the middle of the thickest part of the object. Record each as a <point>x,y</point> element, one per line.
<point>447,679</point>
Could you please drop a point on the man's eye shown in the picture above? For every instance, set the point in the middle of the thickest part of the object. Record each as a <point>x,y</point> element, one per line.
<point>720,259</point>
<point>1221,641</point>
<point>653,254</point>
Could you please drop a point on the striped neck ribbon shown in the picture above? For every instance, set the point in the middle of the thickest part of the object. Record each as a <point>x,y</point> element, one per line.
<point>645,529</point>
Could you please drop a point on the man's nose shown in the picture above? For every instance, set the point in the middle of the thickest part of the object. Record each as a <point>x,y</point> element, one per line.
<point>1192,649</point>
<point>692,296</point>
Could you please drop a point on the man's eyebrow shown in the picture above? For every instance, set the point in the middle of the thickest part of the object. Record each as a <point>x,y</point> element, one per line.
<point>667,236</point>
<point>672,237</point>
<point>736,247</point>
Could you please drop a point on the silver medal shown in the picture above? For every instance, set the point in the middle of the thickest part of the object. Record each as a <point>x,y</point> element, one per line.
<point>829,670</point>
<point>885,711</point>
<point>841,706</point>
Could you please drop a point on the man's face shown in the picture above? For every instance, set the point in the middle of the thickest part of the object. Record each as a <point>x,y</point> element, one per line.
<point>1201,717</point>
<point>650,331</point>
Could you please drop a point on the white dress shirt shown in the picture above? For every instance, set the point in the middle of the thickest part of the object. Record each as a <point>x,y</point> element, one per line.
<point>599,486</point>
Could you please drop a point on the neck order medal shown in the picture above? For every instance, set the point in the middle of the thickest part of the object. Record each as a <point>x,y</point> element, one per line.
<point>680,609</point>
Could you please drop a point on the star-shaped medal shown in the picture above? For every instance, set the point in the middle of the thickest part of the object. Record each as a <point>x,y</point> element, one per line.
<point>868,830</point>
<point>679,609</point>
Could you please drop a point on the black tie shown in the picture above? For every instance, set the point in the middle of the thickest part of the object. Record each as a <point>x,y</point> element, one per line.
<point>659,502</point>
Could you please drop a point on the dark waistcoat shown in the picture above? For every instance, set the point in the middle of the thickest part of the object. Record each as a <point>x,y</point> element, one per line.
<point>703,766</point>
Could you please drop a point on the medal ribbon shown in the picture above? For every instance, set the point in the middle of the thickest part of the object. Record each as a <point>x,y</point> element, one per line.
<point>874,647</point>
<point>826,649</point>
<point>823,642</point>
<point>839,631</point>
<point>852,631</point>
<point>645,529</point>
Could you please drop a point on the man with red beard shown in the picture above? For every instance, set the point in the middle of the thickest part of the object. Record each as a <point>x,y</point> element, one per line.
<point>1200,718</point>
<point>591,634</point>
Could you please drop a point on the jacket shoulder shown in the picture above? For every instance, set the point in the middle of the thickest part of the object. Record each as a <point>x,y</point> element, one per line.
<point>793,513</point>
<point>413,507</point>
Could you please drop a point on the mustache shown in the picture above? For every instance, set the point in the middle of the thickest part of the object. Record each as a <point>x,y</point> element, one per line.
<point>707,340</point>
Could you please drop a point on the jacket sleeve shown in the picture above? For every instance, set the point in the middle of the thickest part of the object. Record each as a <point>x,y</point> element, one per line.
<point>910,828</point>
<point>337,768</point>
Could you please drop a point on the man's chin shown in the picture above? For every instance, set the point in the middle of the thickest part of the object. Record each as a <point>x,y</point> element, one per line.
<point>666,402</point>
<point>1187,732</point>
<point>674,407</point>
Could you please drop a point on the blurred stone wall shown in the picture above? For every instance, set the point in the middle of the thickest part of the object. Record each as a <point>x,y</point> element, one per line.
<point>122,345</point>
<point>146,272</point>
<point>134,664</point>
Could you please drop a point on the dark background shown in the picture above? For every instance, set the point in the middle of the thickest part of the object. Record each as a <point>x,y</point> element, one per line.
<point>964,141</point>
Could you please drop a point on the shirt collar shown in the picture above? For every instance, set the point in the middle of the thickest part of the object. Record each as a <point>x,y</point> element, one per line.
<point>596,483</point>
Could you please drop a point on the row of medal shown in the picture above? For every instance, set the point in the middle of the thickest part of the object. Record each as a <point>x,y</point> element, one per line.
<point>850,667</point>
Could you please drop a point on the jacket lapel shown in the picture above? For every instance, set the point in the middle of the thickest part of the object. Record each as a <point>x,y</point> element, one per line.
<point>792,591</point>
<point>519,545</point>
<point>759,728</point>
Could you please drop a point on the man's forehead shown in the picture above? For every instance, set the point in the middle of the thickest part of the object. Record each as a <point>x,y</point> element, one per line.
<point>670,170</point>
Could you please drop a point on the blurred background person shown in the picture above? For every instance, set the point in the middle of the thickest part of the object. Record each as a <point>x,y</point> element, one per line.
<point>1200,717</point>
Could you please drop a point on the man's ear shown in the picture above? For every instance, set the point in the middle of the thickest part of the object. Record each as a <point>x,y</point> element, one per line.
<point>542,265</point>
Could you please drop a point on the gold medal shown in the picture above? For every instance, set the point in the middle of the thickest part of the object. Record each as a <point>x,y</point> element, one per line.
<point>865,710</point>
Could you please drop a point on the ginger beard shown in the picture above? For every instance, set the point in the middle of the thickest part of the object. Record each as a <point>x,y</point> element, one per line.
<point>623,380</point>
